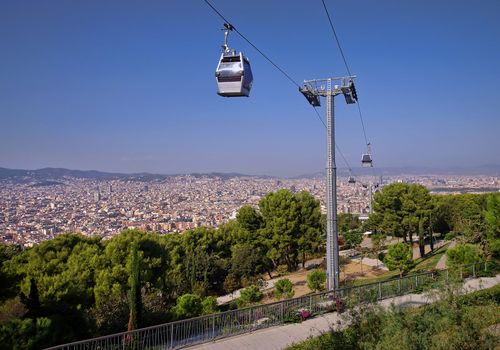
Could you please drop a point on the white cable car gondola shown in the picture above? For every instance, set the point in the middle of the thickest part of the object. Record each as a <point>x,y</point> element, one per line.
<point>366,158</point>
<point>233,74</point>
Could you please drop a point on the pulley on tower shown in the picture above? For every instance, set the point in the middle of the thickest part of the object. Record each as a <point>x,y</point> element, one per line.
<point>233,74</point>
<point>350,93</point>
<point>311,97</point>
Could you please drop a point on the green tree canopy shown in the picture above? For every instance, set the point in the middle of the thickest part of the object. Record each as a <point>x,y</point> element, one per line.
<point>492,217</point>
<point>348,222</point>
<point>292,226</point>
<point>55,266</point>
<point>401,210</point>
<point>399,257</point>
<point>310,228</point>
<point>352,238</point>
<point>249,219</point>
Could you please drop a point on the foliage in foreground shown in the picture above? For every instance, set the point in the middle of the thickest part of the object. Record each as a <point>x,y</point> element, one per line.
<point>456,322</point>
<point>74,287</point>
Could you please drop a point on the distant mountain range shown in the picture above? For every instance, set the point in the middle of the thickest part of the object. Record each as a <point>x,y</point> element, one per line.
<point>53,174</point>
<point>48,175</point>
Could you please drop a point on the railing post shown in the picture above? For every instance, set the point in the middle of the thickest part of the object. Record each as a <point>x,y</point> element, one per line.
<point>281,312</point>
<point>447,274</point>
<point>399,286</point>
<point>213,326</point>
<point>416,281</point>
<point>379,291</point>
<point>474,270</point>
<point>171,336</point>
<point>461,274</point>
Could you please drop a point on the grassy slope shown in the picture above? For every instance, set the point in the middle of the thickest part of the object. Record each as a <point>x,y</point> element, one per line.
<point>422,264</point>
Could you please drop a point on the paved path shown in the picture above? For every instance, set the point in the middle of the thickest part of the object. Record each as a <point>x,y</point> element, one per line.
<point>441,264</point>
<point>279,337</point>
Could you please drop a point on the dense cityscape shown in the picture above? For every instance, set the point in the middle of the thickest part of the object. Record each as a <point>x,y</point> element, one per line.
<point>34,212</point>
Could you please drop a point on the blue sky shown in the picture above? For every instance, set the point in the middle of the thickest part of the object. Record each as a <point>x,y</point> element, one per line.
<point>129,85</point>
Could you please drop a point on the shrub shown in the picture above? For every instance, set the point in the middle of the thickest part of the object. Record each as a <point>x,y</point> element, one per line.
<point>249,295</point>
<point>462,254</point>
<point>209,305</point>
<point>450,235</point>
<point>316,280</point>
<point>187,306</point>
<point>283,289</point>
<point>399,257</point>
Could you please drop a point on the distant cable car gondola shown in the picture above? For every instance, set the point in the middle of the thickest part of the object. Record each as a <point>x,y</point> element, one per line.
<point>366,158</point>
<point>351,180</point>
<point>233,74</point>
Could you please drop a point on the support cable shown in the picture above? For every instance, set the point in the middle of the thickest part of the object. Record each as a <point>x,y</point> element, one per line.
<point>251,44</point>
<point>281,70</point>
<point>346,65</point>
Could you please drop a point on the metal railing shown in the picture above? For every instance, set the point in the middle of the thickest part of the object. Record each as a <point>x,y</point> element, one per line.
<point>207,328</point>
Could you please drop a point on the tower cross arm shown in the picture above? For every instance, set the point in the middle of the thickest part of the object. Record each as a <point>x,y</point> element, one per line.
<point>327,86</point>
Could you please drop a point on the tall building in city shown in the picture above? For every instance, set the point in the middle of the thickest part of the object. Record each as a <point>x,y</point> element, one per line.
<point>97,195</point>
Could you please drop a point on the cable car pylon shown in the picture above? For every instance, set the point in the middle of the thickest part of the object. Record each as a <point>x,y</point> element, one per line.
<point>329,88</point>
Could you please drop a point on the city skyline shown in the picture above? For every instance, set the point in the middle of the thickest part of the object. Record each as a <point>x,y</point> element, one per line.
<point>131,88</point>
<point>31,212</point>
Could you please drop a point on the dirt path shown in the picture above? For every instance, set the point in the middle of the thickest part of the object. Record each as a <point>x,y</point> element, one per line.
<point>353,270</point>
<point>441,265</point>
